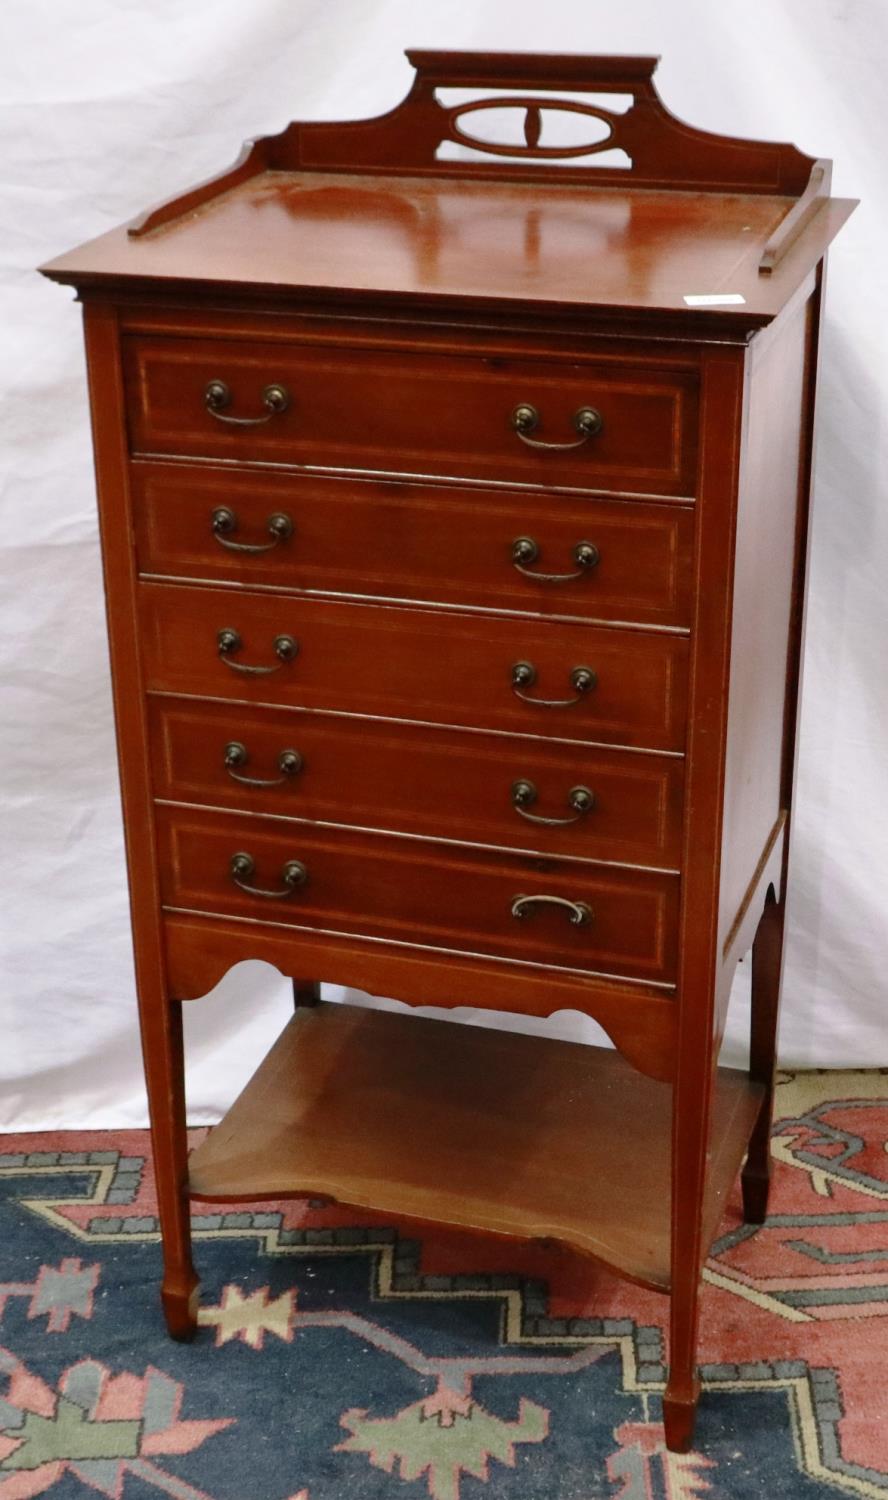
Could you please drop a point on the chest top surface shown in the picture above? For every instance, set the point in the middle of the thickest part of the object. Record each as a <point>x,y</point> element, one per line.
<point>605,202</point>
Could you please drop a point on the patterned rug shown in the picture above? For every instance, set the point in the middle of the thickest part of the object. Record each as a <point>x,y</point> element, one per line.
<point>340,1355</point>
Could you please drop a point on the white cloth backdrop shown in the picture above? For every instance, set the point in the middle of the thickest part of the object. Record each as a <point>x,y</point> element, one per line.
<point>111,104</point>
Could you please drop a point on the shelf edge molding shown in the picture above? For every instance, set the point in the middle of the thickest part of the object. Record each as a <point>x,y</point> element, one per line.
<point>474,1128</point>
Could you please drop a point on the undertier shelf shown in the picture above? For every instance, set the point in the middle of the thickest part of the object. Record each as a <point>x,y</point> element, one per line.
<point>464,1126</point>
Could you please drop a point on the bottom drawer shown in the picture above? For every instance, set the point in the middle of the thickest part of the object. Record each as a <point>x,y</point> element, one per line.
<point>573,916</point>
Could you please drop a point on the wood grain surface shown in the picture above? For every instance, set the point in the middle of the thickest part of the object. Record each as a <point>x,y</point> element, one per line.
<point>439,667</point>
<point>407,778</point>
<point>479,1129</point>
<point>362,408</point>
<point>399,539</point>
<point>438,896</point>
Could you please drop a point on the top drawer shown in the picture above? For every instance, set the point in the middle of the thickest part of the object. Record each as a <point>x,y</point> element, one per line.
<point>398,411</point>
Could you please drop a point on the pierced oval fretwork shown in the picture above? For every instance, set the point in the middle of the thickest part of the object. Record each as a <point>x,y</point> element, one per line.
<point>533,126</point>
<point>610,158</point>
<point>538,122</point>
<point>610,104</point>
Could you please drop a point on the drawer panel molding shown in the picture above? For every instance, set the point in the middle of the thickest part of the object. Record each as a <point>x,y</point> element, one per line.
<point>414,413</point>
<point>415,664</point>
<point>449,544</point>
<point>574,916</point>
<point>435,783</point>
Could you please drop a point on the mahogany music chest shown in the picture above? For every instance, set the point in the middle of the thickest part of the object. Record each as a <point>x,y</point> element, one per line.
<point>453,492</point>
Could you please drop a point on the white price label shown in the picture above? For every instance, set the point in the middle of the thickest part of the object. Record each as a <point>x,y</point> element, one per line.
<point>714,299</point>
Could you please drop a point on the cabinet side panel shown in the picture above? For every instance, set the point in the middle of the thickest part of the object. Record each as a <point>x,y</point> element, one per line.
<point>771,490</point>
<point>119,570</point>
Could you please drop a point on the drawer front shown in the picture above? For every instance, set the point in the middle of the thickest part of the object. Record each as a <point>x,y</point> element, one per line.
<point>418,664</point>
<point>442,896</point>
<point>410,541</point>
<point>409,779</point>
<point>415,413</point>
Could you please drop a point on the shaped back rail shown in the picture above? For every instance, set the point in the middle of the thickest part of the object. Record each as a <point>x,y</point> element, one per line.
<point>663,152</point>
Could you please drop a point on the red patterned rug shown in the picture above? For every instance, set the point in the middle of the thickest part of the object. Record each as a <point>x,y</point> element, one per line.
<point>342,1355</point>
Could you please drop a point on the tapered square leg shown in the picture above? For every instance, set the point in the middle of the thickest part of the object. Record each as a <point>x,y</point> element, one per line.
<point>306,992</point>
<point>767,964</point>
<point>680,1415</point>
<point>691,1128</point>
<point>165,1077</point>
<point>180,1299</point>
<point>683,1386</point>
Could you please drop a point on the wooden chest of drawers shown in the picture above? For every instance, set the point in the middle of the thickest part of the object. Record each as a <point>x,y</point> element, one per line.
<point>454,519</point>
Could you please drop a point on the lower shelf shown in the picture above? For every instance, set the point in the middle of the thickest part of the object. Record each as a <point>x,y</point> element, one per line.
<point>464,1126</point>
